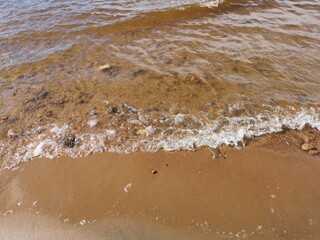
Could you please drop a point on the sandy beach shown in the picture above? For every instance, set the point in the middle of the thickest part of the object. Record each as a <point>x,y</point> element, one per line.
<point>150,119</point>
<point>268,190</point>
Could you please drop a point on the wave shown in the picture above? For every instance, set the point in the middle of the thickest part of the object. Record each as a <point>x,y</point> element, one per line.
<point>47,141</point>
<point>51,37</point>
<point>211,4</point>
<point>70,18</point>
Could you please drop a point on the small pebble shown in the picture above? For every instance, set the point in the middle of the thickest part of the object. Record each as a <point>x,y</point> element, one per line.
<point>104,67</point>
<point>194,80</point>
<point>154,172</point>
<point>155,122</point>
<point>12,133</point>
<point>126,189</point>
<point>138,72</point>
<point>142,132</point>
<point>313,152</point>
<point>307,146</point>
<point>112,71</point>
<point>113,109</point>
<point>69,140</point>
<point>93,112</point>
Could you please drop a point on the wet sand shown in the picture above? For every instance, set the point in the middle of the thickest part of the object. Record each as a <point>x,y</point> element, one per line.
<point>268,190</point>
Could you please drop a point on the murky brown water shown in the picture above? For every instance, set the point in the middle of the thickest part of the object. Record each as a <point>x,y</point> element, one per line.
<point>181,75</point>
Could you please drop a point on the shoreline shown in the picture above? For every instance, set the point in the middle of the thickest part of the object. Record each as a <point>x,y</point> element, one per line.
<point>134,120</point>
<point>268,190</point>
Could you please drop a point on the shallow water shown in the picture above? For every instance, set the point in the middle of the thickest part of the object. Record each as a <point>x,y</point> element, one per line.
<point>183,74</point>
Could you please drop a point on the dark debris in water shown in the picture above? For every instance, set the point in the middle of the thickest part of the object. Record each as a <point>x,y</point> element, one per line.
<point>69,140</point>
<point>26,77</point>
<point>113,109</point>
<point>129,108</point>
<point>112,71</point>
<point>138,72</point>
<point>84,98</point>
<point>93,112</point>
<point>38,96</point>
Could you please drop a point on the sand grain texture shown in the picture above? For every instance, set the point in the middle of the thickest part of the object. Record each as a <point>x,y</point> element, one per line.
<point>261,192</point>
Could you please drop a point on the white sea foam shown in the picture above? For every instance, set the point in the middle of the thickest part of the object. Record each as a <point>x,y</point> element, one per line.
<point>222,130</point>
<point>210,4</point>
<point>111,133</point>
<point>92,123</point>
<point>82,222</point>
<point>150,131</point>
<point>179,118</point>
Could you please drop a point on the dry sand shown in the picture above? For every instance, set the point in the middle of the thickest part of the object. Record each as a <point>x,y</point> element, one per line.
<point>265,191</point>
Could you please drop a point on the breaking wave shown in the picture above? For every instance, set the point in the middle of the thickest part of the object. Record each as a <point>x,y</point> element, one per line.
<point>48,141</point>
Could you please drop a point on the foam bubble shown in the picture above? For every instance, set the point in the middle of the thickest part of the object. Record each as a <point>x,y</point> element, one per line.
<point>170,136</point>
<point>92,123</point>
<point>211,4</point>
<point>111,133</point>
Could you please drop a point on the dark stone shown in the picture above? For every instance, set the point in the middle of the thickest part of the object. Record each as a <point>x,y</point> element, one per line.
<point>69,140</point>
<point>49,114</point>
<point>43,95</point>
<point>112,71</point>
<point>137,72</point>
<point>84,97</point>
<point>113,109</point>
<point>313,152</point>
<point>240,144</point>
<point>163,118</point>
<point>130,108</point>
<point>93,112</point>
<point>246,140</point>
<point>154,172</point>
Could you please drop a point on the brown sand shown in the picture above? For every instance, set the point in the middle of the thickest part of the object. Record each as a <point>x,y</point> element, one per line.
<point>265,191</point>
